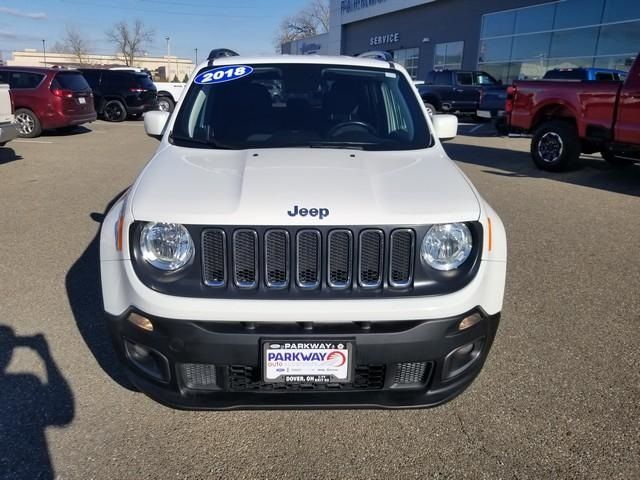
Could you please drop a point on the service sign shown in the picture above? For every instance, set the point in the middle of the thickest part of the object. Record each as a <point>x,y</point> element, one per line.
<point>307,361</point>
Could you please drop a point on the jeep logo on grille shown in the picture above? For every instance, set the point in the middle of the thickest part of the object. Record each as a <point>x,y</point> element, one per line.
<point>312,212</point>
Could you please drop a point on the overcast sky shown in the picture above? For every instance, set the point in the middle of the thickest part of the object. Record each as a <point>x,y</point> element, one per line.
<point>247,26</point>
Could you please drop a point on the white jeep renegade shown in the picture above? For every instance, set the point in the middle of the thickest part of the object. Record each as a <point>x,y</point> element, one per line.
<point>301,239</point>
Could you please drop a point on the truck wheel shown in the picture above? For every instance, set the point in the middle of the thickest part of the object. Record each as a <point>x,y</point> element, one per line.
<point>114,111</point>
<point>28,124</point>
<point>431,110</point>
<point>165,104</point>
<point>616,160</point>
<point>555,146</point>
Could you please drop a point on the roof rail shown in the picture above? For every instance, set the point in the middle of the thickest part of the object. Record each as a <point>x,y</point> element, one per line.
<point>377,55</point>
<point>220,53</point>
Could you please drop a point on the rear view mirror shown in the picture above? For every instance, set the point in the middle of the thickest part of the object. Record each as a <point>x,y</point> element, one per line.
<point>445,126</point>
<point>154,123</point>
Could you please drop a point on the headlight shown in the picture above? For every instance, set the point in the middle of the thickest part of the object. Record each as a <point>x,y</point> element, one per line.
<point>446,246</point>
<point>166,246</point>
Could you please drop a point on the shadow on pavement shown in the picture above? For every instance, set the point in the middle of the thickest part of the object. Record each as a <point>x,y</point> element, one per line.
<point>66,131</point>
<point>85,298</point>
<point>8,155</point>
<point>588,172</point>
<point>27,407</point>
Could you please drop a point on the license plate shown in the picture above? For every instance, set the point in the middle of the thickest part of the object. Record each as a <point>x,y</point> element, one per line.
<point>483,114</point>
<point>294,361</point>
<point>82,100</point>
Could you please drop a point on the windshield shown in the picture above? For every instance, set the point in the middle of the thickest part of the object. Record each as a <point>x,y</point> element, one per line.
<point>293,105</point>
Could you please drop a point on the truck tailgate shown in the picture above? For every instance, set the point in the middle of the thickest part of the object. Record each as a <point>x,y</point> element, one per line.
<point>6,112</point>
<point>591,104</point>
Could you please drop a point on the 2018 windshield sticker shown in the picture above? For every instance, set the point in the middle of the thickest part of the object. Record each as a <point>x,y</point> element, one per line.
<point>223,74</point>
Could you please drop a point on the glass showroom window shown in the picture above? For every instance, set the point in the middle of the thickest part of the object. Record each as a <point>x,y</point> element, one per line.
<point>526,42</point>
<point>448,56</point>
<point>408,58</point>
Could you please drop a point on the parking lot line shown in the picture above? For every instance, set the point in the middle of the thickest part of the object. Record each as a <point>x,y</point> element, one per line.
<point>31,141</point>
<point>121,124</point>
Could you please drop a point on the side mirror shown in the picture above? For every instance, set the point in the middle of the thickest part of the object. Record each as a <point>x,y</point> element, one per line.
<point>445,126</point>
<point>154,123</point>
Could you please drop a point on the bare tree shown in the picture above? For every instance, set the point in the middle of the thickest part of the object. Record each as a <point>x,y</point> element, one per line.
<point>310,21</point>
<point>74,42</point>
<point>130,39</point>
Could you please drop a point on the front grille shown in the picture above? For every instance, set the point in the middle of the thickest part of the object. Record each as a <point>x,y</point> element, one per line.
<point>309,260</point>
<point>246,378</point>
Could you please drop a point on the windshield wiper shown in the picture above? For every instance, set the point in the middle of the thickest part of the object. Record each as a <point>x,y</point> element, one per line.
<point>199,142</point>
<point>346,145</point>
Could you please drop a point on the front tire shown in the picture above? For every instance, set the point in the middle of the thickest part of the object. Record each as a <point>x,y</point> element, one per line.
<point>114,111</point>
<point>28,124</point>
<point>165,104</point>
<point>431,110</point>
<point>555,146</point>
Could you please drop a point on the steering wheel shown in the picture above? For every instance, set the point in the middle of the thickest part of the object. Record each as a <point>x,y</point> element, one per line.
<point>352,123</point>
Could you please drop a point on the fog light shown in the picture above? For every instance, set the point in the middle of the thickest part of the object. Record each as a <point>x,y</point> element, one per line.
<point>142,322</point>
<point>461,358</point>
<point>469,321</point>
<point>148,360</point>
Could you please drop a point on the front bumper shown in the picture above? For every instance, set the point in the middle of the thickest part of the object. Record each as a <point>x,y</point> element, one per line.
<point>382,350</point>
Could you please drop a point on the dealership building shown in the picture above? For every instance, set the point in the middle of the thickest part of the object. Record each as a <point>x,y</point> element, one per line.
<point>508,38</point>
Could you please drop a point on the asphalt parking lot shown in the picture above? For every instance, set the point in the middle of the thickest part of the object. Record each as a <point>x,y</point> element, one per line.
<point>558,398</point>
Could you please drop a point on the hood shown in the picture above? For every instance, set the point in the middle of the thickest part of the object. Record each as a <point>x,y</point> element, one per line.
<point>264,187</point>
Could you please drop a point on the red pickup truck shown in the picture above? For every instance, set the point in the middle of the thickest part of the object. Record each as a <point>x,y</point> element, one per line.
<point>569,118</point>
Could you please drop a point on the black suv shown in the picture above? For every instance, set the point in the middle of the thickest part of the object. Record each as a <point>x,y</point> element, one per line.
<point>119,93</point>
<point>455,90</point>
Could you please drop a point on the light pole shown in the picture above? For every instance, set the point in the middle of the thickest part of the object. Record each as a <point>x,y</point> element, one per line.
<point>44,52</point>
<point>196,57</point>
<point>168,62</point>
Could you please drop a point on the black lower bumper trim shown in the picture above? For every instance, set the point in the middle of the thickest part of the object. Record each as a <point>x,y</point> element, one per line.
<point>228,345</point>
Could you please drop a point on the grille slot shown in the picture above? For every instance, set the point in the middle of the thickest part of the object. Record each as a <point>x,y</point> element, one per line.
<point>276,251</point>
<point>198,376</point>
<point>371,255</point>
<point>401,258</point>
<point>340,258</point>
<point>214,249</point>
<point>308,259</point>
<point>411,373</point>
<point>245,258</point>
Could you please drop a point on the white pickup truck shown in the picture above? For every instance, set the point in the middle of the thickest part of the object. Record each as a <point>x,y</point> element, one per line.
<point>168,94</point>
<point>8,127</point>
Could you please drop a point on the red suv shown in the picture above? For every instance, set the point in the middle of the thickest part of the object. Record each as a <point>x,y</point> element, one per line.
<point>47,98</point>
